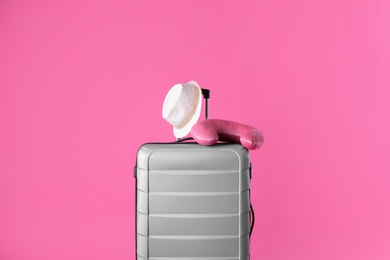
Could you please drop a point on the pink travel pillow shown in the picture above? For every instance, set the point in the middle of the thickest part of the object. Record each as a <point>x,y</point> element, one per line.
<point>210,131</point>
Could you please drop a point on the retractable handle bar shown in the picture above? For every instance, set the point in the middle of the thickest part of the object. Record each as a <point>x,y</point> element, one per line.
<point>206,96</point>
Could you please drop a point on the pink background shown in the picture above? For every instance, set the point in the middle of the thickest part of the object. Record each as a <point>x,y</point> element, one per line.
<point>82,85</point>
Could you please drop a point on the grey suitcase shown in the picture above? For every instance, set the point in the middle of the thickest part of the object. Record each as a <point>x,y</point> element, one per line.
<point>193,202</point>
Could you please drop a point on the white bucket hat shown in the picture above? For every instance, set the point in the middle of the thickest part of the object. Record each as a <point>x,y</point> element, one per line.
<point>182,107</point>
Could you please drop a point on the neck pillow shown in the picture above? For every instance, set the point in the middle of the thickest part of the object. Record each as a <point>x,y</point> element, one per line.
<point>210,131</point>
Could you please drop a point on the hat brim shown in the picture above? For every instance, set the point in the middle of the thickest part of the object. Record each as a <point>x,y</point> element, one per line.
<point>179,133</point>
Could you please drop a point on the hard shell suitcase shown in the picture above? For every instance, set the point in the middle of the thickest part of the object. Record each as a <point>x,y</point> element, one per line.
<point>193,202</point>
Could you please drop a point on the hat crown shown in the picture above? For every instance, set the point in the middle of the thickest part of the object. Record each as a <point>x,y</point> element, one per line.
<point>181,106</point>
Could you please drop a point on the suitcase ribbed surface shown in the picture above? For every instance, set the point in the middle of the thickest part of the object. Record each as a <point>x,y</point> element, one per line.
<point>193,202</point>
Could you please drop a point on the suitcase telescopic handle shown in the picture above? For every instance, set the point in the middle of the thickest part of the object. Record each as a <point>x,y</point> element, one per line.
<point>206,96</point>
